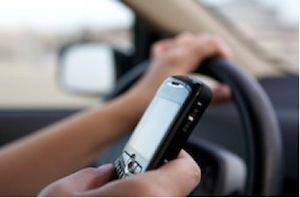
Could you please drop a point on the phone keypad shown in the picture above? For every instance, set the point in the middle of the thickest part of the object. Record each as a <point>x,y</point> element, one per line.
<point>126,166</point>
<point>119,168</point>
<point>137,169</point>
<point>126,157</point>
<point>132,167</point>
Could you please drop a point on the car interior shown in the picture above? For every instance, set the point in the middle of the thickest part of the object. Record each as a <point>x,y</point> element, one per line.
<point>246,147</point>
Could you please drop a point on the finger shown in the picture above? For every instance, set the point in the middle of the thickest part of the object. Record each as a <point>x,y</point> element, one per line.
<point>202,47</point>
<point>184,39</point>
<point>184,173</point>
<point>163,45</point>
<point>101,175</point>
<point>207,46</point>
<point>80,181</point>
<point>160,47</point>
<point>221,94</point>
<point>90,178</point>
<point>176,178</point>
<point>224,50</point>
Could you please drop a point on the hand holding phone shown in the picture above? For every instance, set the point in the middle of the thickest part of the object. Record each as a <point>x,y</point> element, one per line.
<point>165,126</point>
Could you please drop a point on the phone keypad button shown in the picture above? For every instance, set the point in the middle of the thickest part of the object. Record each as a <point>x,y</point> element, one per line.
<point>138,169</point>
<point>132,166</point>
<point>118,166</point>
<point>126,157</point>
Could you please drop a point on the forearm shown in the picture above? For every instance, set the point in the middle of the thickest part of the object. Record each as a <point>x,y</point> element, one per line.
<point>51,153</point>
<point>26,166</point>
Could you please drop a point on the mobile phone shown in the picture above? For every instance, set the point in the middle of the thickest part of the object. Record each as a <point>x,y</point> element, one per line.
<point>165,126</point>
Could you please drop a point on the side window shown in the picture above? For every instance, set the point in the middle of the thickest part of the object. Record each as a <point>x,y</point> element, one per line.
<point>32,31</point>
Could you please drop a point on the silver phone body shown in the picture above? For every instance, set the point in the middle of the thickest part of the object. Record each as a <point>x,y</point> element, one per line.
<point>165,126</point>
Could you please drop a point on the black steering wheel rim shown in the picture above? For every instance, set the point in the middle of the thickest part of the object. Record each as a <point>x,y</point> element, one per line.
<point>264,166</point>
<point>259,122</point>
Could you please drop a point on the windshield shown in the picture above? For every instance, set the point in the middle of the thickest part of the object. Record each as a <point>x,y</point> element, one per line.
<point>269,27</point>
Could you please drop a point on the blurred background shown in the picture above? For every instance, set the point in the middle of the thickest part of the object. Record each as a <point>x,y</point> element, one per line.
<point>32,32</point>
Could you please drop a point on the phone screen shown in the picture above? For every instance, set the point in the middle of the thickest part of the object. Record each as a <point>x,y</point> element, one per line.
<point>153,126</point>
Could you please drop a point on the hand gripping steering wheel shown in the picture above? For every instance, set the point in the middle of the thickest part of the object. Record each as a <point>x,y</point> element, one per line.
<point>264,164</point>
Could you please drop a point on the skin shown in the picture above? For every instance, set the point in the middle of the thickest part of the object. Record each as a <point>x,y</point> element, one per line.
<point>97,181</point>
<point>29,164</point>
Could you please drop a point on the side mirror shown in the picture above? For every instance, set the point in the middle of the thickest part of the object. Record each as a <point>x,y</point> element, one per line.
<point>87,68</point>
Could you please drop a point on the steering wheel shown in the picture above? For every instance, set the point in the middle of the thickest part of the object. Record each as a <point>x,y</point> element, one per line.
<point>264,164</point>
